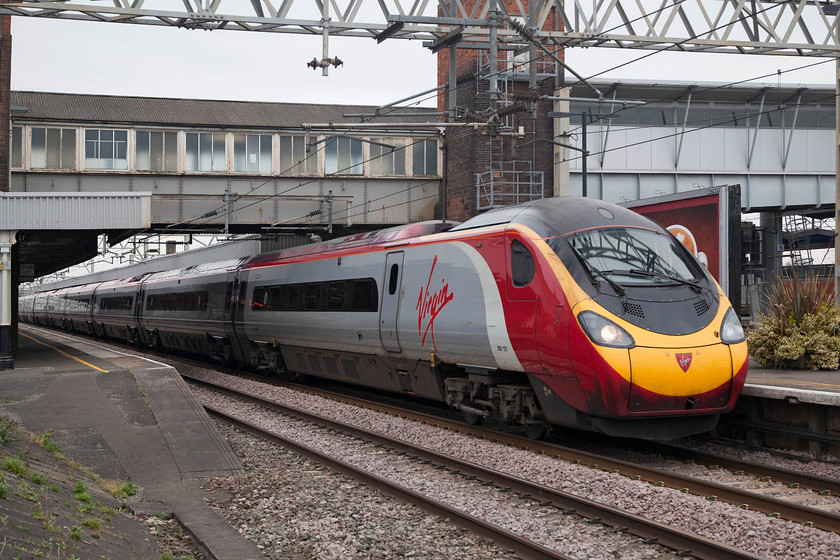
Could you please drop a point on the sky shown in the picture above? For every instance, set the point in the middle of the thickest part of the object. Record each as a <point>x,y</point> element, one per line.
<point>141,60</point>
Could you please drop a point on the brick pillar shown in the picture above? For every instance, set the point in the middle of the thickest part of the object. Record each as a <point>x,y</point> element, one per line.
<point>471,152</point>
<point>5,94</point>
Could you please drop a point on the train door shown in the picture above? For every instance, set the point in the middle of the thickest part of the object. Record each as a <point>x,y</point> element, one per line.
<point>235,314</point>
<point>391,302</point>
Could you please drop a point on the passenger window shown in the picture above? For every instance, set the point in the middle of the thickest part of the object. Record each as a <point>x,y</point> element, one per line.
<point>522,265</point>
<point>312,297</point>
<point>363,296</point>
<point>335,296</point>
<point>295,298</point>
<point>392,283</point>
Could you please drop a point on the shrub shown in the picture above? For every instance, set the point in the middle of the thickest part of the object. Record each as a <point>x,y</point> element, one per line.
<point>801,327</point>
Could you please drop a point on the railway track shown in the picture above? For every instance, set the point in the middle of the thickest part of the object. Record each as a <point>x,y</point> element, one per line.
<point>765,475</point>
<point>763,478</point>
<point>685,543</point>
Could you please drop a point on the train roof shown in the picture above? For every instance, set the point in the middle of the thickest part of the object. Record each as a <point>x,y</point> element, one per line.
<point>367,239</point>
<point>197,270</point>
<point>560,216</point>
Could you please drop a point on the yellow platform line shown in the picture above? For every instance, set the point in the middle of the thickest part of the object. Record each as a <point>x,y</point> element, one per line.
<point>63,353</point>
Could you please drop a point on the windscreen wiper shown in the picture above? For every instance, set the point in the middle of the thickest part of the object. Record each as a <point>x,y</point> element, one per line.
<point>650,274</point>
<point>594,272</point>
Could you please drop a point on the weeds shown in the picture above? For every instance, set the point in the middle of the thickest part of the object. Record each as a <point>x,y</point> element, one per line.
<point>81,492</point>
<point>5,428</point>
<point>119,490</point>
<point>49,445</point>
<point>15,466</point>
<point>38,479</point>
<point>92,523</point>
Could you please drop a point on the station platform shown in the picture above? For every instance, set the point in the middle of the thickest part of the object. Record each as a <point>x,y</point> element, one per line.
<point>127,418</point>
<point>807,386</point>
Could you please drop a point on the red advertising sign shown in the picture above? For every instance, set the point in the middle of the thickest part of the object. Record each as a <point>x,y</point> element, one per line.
<point>695,222</point>
<point>708,223</point>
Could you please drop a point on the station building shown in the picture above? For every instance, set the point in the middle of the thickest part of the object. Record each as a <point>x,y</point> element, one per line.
<point>228,165</point>
<point>242,167</point>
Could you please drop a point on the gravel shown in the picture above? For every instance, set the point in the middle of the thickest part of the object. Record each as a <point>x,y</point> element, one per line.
<point>295,509</point>
<point>716,520</point>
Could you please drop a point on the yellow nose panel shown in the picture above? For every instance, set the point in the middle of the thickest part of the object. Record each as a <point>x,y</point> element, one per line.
<point>680,373</point>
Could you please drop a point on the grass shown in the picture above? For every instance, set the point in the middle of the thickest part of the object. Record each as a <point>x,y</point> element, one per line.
<point>75,532</point>
<point>5,428</point>
<point>92,523</point>
<point>15,466</point>
<point>49,445</point>
<point>118,489</point>
<point>81,492</point>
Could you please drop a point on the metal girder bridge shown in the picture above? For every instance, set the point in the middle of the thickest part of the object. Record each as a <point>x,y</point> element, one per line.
<point>784,27</point>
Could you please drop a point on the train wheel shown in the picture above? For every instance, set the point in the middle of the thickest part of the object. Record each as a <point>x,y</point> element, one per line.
<point>536,430</point>
<point>285,375</point>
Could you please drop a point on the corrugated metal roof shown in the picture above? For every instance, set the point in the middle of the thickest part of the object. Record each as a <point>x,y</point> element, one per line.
<point>75,211</point>
<point>109,109</point>
<point>666,91</point>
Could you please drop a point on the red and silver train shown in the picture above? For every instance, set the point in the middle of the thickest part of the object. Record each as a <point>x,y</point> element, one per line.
<point>565,312</point>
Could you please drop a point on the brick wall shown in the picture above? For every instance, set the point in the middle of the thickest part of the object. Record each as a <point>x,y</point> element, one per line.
<point>468,150</point>
<point>5,93</point>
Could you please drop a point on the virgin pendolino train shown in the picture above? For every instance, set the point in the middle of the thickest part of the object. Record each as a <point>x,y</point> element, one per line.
<point>563,312</point>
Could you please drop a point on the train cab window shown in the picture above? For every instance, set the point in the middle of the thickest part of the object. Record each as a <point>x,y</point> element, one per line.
<point>392,281</point>
<point>522,265</point>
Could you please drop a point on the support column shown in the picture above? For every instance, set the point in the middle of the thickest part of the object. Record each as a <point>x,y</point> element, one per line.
<point>7,239</point>
<point>836,176</point>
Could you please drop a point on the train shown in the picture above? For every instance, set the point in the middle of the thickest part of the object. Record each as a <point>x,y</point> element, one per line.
<point>554,314</point>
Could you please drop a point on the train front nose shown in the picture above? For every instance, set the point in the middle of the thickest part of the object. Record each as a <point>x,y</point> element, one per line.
<point>680,379</point>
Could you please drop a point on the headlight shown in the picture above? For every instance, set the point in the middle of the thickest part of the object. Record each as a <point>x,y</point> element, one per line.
<point>604,332</point>
<point>731,331</point>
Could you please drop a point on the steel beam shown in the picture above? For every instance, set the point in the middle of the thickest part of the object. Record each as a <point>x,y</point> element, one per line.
<point>795,27</point>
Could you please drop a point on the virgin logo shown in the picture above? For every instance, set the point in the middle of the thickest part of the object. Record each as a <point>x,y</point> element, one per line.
<point>684,361</point>
<point>429,305</point>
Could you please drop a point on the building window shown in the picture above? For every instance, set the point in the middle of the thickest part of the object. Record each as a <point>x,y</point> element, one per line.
<point>294,159</point>
<point>387,156</point>
<point>205,151</point>
<point>17,146</point>
<point>425,157</point>
<point>106,149</point>
<point>157,151</point>
<point>53,148</point>
<point>252,153</point>
<point>343,156</point>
